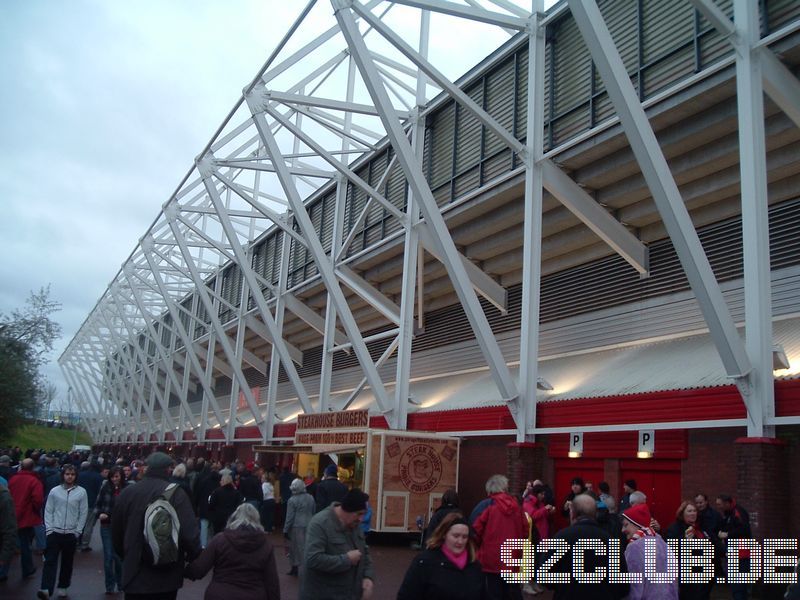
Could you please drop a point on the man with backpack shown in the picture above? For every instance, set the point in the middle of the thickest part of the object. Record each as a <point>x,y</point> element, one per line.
<point>154,531</point>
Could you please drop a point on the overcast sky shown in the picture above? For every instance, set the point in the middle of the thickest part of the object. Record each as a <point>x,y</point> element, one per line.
<point>104,106</point>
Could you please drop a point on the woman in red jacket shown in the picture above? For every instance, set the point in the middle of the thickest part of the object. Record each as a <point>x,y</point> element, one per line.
<point>27,492</point>
<point>501,520</point>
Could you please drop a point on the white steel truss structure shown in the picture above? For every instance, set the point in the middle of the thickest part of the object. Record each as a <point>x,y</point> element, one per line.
<point>193,302</point>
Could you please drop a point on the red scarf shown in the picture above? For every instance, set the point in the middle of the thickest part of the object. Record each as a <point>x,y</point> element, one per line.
<point>459,560</point>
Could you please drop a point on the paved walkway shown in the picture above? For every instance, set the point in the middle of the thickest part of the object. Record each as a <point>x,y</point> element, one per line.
<point>391,561</point>
<point>390,554</point>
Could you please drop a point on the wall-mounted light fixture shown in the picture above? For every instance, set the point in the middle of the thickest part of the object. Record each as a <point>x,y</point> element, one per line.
<point>647,443</point>
<point>543,384</point>
<point>575,445</point>
<point>779,359</point>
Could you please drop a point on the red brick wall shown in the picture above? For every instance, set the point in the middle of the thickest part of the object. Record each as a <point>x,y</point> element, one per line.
<point>711,465</point>
<point>791,435</point>
<point>524,463</point>
<point>762,486</point>
<point>480,459</point>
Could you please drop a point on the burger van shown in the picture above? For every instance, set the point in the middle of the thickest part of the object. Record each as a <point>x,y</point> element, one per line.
<point>405,473</point>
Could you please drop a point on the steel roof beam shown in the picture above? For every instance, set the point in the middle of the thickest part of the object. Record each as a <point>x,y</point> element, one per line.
<point>662,185</point>
<point>419,186</point>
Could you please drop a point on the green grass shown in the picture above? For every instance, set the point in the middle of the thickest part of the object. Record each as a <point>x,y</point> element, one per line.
<point>38,436</point>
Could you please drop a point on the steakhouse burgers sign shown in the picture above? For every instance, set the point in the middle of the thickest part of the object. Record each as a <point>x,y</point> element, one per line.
<point>347,428</point>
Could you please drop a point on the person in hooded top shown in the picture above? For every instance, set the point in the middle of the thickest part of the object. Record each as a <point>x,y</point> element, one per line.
<point>299,511</point>
<point>243,560</point>
<point>636,527</point>
<point>449,504</point>
<point>447,569</point>
<point>502,519</point>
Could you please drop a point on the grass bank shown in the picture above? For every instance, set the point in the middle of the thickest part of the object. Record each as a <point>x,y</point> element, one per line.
<point>39,436</point>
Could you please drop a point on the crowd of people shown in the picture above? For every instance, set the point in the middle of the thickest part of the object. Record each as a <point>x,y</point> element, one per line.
<point>460,551</point>
<point>199,516</point>
<point>162,520</point>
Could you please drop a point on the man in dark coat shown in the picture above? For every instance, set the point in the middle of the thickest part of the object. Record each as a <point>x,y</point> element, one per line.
<point>8,531</point>
<point>141,580</point>
<point>89,479</point>
<point>222,502</point>
<point>708,518</point>
<point>337,563</point>
<point>206,484</point>
<point>329,490</point>
<point>583,514</point>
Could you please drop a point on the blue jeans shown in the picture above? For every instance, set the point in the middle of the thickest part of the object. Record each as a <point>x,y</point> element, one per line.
<point>25,536</point>
<point>204,525</point>
<point>112,565</point>
<point>41,537</point>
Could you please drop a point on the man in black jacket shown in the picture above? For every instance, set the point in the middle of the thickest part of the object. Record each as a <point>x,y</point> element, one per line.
<point>330,489</point>
<point>89,479</point>
<point>583,514</point>
<point>141,580</point>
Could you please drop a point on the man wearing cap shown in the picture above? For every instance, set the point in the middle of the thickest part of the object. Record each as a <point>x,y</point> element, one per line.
<point>636,527</point>
<point>141,580</point>
<point>337,563</point>
<point>5,467</point>
<point>628,487</point>
<point>330,489</point>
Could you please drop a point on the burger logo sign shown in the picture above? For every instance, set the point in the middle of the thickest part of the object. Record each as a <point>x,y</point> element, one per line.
<point>420,468</point>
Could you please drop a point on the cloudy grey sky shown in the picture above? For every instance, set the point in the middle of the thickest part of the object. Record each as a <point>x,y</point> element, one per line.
<point>104,105</point>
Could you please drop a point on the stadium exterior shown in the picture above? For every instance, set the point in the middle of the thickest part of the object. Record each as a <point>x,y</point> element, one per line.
<point>595,231</point>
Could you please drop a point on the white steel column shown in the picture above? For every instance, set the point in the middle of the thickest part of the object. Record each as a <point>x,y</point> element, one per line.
<point>328,341</point>
<point>755,218</point>
<point>663,188</point>
<point>416,178</point>
<point>215,329</point>
<point>411,250</point>
<point>318,252</point>
<point>205,167</point>
<point>161,353</point>
<point>186,338</point>
<point>532,249</point>
<point>275,360</point>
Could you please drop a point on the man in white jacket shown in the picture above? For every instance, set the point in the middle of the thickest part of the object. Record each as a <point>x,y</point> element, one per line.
<point>64,517</point>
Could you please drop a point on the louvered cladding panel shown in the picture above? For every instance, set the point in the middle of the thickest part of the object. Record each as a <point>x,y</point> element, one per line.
<point>781,12</point>
<point>622,21</point>
<point>378,214</point>
<point>441,132</point>
<point>186,320</point>
<point>713,46</point>
<point>297,261</point>
<point>499,104</point>
<point>354,204</point>
<point>326,227</point>
<point>666,24</point>
<point>468,133</point>
<point>396,187</point>
<point>521,98</point>
<point>571,82</point>
<point>497,164</point>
